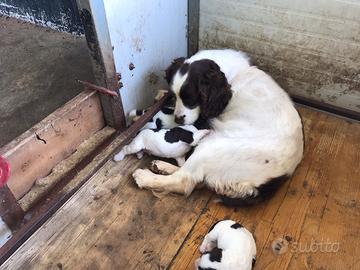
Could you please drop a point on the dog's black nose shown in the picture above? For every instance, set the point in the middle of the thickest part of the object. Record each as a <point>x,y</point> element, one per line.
<point>179,119</point>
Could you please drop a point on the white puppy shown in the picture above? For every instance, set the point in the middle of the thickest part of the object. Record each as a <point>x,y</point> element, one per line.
<point>167,143</point>
<point>227,246</point>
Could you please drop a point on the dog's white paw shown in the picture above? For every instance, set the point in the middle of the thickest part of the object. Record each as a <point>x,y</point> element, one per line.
<point>142,177</point>
<point>160,93</point>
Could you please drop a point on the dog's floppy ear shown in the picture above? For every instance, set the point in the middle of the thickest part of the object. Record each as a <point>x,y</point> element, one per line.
<point>215,92</point>
<point>171,70</point>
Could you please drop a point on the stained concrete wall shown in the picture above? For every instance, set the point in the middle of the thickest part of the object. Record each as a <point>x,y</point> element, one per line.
<point>61,15</point>
<point>311,48</point>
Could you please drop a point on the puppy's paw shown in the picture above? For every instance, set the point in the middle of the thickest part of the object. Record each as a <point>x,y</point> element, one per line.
<point>160,94</point>
<point>134,115</point>
<point>140,155</point>
<point>119,156</point>
<point>142,177</point>
<point>197,263</point>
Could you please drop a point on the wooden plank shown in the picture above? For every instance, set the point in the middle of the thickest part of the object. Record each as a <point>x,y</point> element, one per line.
<point>310,179</point>
<point>93,17</point>
<point>333,216</point>
<point>111,224</point>
<point>43,185</point>
<point>309,207</point>
<point>72,180</point>
<point>33,154</point>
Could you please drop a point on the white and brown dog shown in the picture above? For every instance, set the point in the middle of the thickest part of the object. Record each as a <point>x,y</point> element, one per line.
<point>257,138</point>
<point>227,246</point>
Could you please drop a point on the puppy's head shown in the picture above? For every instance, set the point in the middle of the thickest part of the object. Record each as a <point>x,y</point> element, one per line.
<point>201,90</point>
<point>210,260</point>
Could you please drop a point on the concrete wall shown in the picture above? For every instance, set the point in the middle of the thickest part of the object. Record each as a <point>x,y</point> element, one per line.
<point>312,48</point>
<point>60,14</point>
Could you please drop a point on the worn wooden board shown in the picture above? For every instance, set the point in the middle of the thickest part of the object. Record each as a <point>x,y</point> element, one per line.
<point>320,204</point>
<point>73,179</point>
<point>111,224</point>
<point>43,185</point>
<point>33,154</point>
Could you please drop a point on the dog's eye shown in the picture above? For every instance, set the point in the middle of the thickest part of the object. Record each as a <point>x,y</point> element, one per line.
<point>189,96</point>
<point>190,103</point>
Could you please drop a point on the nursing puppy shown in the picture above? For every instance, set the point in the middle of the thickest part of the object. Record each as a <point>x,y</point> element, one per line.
<point>256,140</point>
<point>167,143</point>
<point>227,246</point>
<point>163,119</point>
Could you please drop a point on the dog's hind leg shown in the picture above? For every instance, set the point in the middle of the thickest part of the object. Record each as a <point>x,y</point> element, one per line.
<point>134,147</point>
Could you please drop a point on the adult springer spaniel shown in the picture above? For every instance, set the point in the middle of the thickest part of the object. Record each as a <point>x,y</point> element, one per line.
<point>256,140</point>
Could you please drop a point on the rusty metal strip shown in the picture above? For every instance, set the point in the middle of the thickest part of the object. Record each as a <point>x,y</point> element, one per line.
<point>10,211</point>
<point>100,89</point>
<point>55,198</point>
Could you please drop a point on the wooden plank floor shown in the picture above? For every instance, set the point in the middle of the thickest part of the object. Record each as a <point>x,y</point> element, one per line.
<point>110,224</point>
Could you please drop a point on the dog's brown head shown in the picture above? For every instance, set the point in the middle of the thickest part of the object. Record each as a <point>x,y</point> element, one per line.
<point>201,90</point>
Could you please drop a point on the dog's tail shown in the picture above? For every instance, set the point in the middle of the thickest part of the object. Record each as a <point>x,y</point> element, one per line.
<point>263,193</point>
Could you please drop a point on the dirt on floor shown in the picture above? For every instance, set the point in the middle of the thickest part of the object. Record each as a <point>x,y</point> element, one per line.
<point>38,69</point>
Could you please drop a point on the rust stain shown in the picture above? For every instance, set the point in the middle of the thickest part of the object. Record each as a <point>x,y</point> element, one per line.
<point>153,78</point>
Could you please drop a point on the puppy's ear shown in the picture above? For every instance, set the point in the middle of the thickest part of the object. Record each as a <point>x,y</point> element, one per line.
<point>213,226</point>
<point>215,92</point>
<point>171,70</point>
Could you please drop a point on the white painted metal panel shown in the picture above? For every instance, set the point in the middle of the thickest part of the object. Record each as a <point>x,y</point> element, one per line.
<point>311,48</point>
<point>147,35</point>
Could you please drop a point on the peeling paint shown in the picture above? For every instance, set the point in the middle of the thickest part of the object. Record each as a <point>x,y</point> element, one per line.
<point>59,15</point>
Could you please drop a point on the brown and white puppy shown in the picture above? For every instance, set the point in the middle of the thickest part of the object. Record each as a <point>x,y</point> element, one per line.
<point>227,246</point>
<point>168,143</point>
